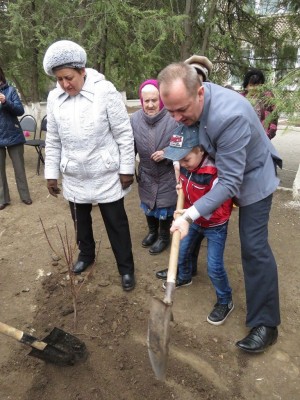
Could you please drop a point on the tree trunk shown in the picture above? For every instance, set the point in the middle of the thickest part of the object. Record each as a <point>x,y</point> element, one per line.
<point>186,45</point>
<point>34,67</point>
<point>103,52</point>
<point>20,89</point>
<point>211,11</point>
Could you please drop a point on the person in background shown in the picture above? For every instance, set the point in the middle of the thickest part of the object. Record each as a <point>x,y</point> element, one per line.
<point>232,134</point>
<point>261,100</point>
<point>198,175</point>
<point>11,140</point>
<point>90,144</point>
<point>202,65</point>
<point>228,86</point>
<point>152,129</point>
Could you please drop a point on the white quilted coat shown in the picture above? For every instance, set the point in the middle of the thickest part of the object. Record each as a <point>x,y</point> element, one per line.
<point>89,141</point>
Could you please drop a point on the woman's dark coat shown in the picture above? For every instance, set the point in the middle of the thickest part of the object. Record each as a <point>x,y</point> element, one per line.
<point>10,130</point>
<point>156,180</point>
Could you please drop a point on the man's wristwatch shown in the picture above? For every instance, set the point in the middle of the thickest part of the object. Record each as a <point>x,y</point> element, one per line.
<point>188,218</point>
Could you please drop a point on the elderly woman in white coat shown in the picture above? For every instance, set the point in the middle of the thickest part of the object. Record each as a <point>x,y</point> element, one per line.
<point>90,144</point>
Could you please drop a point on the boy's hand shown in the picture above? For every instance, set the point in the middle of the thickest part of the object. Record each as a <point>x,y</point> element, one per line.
<point>178,186</point>
<point>176,166</point>
<point>178,213</point>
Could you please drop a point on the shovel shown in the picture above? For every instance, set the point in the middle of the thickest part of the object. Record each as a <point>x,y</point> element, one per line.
<point>161,311</point>
<point>58,347</point>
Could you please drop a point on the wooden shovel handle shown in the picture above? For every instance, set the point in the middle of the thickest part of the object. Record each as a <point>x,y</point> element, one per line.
<point>21,336</point>
<point>174,252</point>
<point>173,260</point>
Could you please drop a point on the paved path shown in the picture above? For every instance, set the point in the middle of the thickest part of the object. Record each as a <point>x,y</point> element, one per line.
<point>287,142</point>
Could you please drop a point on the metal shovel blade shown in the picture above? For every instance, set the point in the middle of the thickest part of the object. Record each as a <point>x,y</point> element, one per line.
<point>161,311</point>
<point>62,349</point>
<point>159,336</point>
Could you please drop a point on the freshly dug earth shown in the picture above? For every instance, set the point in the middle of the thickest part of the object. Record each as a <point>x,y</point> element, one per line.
<point>203,362</point>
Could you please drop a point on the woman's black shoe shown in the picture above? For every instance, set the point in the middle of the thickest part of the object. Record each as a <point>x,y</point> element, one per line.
<point>163,240</point>
<point>153,224</point>
<point>128,282</point>
<point>150,239</point>
<point>27,202</point>
<point>160,245</point>
<point>81,266</point>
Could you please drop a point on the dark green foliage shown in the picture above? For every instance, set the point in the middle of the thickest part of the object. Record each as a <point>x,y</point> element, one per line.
<point>132,40</point>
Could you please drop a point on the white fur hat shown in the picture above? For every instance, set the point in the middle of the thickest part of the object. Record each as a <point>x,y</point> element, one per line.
<point>201,63</point>
<point>64,53</point>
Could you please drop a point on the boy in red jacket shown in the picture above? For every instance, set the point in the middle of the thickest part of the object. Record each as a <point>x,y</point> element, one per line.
<point>198,175</point>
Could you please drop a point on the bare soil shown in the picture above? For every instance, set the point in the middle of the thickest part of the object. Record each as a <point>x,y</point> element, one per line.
<point>203,362</point>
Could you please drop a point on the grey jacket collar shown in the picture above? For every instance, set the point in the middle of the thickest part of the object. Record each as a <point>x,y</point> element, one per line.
<point>151,120</point>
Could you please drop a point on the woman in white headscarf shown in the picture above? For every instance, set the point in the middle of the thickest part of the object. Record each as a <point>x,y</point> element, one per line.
<point>90,144</point>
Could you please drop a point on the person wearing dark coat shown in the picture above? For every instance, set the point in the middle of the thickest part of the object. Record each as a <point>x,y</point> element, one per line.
<point>11,140</point>
<point>262,100</point>
<point>152,129</point>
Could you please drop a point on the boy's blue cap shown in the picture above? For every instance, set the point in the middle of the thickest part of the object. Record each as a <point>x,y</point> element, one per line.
<point>182,142</point>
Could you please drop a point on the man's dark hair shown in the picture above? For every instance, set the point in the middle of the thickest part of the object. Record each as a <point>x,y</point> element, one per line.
<point>254,77</point>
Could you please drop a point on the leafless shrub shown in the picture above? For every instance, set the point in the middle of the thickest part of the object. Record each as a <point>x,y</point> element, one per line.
<point>68,249</point>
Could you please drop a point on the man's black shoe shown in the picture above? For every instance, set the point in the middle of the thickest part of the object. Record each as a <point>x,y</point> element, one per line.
<point>128,282</point>
<point>81,266</point>
<point>258,339</point>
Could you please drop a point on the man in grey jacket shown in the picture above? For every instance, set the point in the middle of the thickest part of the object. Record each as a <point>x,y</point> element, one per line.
<point>232,134</point>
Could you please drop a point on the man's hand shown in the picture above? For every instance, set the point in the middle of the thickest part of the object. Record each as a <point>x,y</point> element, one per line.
<point>126,180</point>
<point>54,190</point>
<point>181,225</point>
